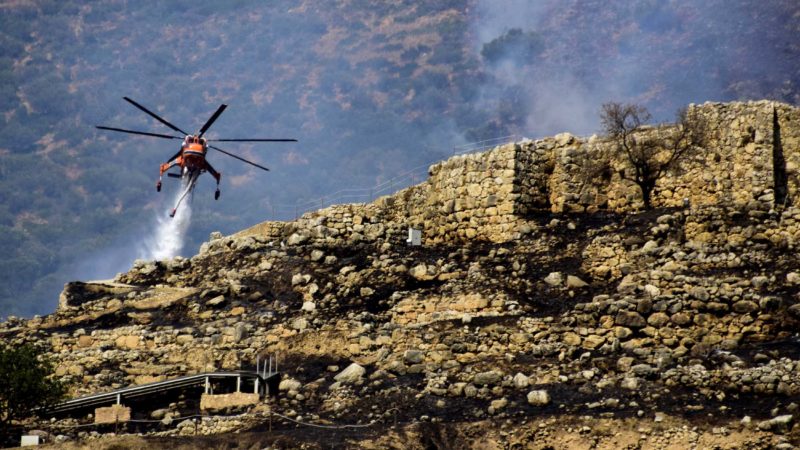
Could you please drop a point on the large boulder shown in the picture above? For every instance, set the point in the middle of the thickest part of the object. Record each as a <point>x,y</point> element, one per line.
<point>630,319</point>
<point>351,374</point>
<point>539,397</point>
<point>289,384</point>
<point>554,279</point>
<point>486,378</point>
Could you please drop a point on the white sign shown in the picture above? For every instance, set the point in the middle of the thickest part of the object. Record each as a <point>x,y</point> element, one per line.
<point>29,441</point>
<point>414,237</point>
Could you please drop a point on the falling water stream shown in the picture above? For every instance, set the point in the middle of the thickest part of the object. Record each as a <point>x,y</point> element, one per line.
<point>167,237</point>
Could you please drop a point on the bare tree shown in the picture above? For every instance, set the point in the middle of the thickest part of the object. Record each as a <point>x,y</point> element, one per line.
<point>651,151</point>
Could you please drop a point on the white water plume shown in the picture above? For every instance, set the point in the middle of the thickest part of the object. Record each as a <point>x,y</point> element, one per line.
<point>167,238</point>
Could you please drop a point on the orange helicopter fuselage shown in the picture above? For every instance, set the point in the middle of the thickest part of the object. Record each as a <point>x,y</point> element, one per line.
<point>192,155</point>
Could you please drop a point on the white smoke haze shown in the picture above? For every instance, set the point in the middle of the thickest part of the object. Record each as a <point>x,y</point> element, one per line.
<point>579,69</point>
<point>168,235</point>
<point>164,239</point>
<point>496,17</point>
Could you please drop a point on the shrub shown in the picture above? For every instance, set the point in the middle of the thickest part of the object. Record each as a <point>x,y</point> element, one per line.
<point>27,385</point>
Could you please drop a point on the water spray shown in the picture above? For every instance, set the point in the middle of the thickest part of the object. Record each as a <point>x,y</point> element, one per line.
<point>167,239</point>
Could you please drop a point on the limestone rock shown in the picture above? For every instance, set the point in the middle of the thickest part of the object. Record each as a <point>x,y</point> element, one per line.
<point>574,282</point>
<point>317,255</point>
<point>289,384</point>
<point>521,381</point>
<point>413,356</point>
<point>422,272</point>
<point>487,378</point>
<point>779,424</point>
<point>630,319</point>
<point>351,374</point>
<point>296,239</point>
<point>745,306</point>
<point>216,301</point>
<point>497,405</point>
<point>539,398</point>
<point>554,279</point>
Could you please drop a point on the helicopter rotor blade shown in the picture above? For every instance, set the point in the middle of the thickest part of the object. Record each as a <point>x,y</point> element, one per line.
<point>252,140</point>
<point>143,133</point>
<point>155,116</point>
<point>212,119</point>
<point>239,158</point>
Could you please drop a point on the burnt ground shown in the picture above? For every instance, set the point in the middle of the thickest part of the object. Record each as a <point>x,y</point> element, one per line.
<point>440,421</point>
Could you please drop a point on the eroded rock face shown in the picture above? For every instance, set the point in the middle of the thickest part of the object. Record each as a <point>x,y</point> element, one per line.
<point>677,312</point>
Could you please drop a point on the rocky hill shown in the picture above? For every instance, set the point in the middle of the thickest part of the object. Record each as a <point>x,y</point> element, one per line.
<point>370,88</point>
<point>542,310</point>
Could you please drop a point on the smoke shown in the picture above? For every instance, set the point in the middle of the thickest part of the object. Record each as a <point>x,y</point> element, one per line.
<point>164,238</point>
<point>662,55</point>
<point>168,235</point>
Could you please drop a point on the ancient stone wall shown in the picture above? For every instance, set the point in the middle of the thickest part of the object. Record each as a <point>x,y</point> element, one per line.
<point>534,166</point>
<point>470,197</point>
<point>786,139</point>
<point>751,149</point>
<point>736,168</point>
<point>466,197</point>
<point>751,161</point>
<point>352,221</point>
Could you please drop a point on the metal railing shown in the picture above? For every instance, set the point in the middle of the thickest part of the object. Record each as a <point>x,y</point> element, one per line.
<point>116,396</point>
<point>266,369</point>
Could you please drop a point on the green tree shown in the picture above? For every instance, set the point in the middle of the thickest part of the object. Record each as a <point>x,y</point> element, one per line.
<point>27,385</point>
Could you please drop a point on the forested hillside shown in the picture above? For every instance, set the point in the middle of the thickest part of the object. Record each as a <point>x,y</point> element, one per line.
<point>369,88</point>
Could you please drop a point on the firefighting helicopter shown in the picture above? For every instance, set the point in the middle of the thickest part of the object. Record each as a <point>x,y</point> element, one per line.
<point>191,158</point>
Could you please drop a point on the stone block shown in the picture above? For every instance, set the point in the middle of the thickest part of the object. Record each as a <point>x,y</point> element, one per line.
<point>221,401</point>
<point>112,414</point>
<point>29,441</point>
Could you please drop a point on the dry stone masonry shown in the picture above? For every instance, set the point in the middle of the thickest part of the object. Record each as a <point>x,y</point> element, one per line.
<point>751,161</point>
